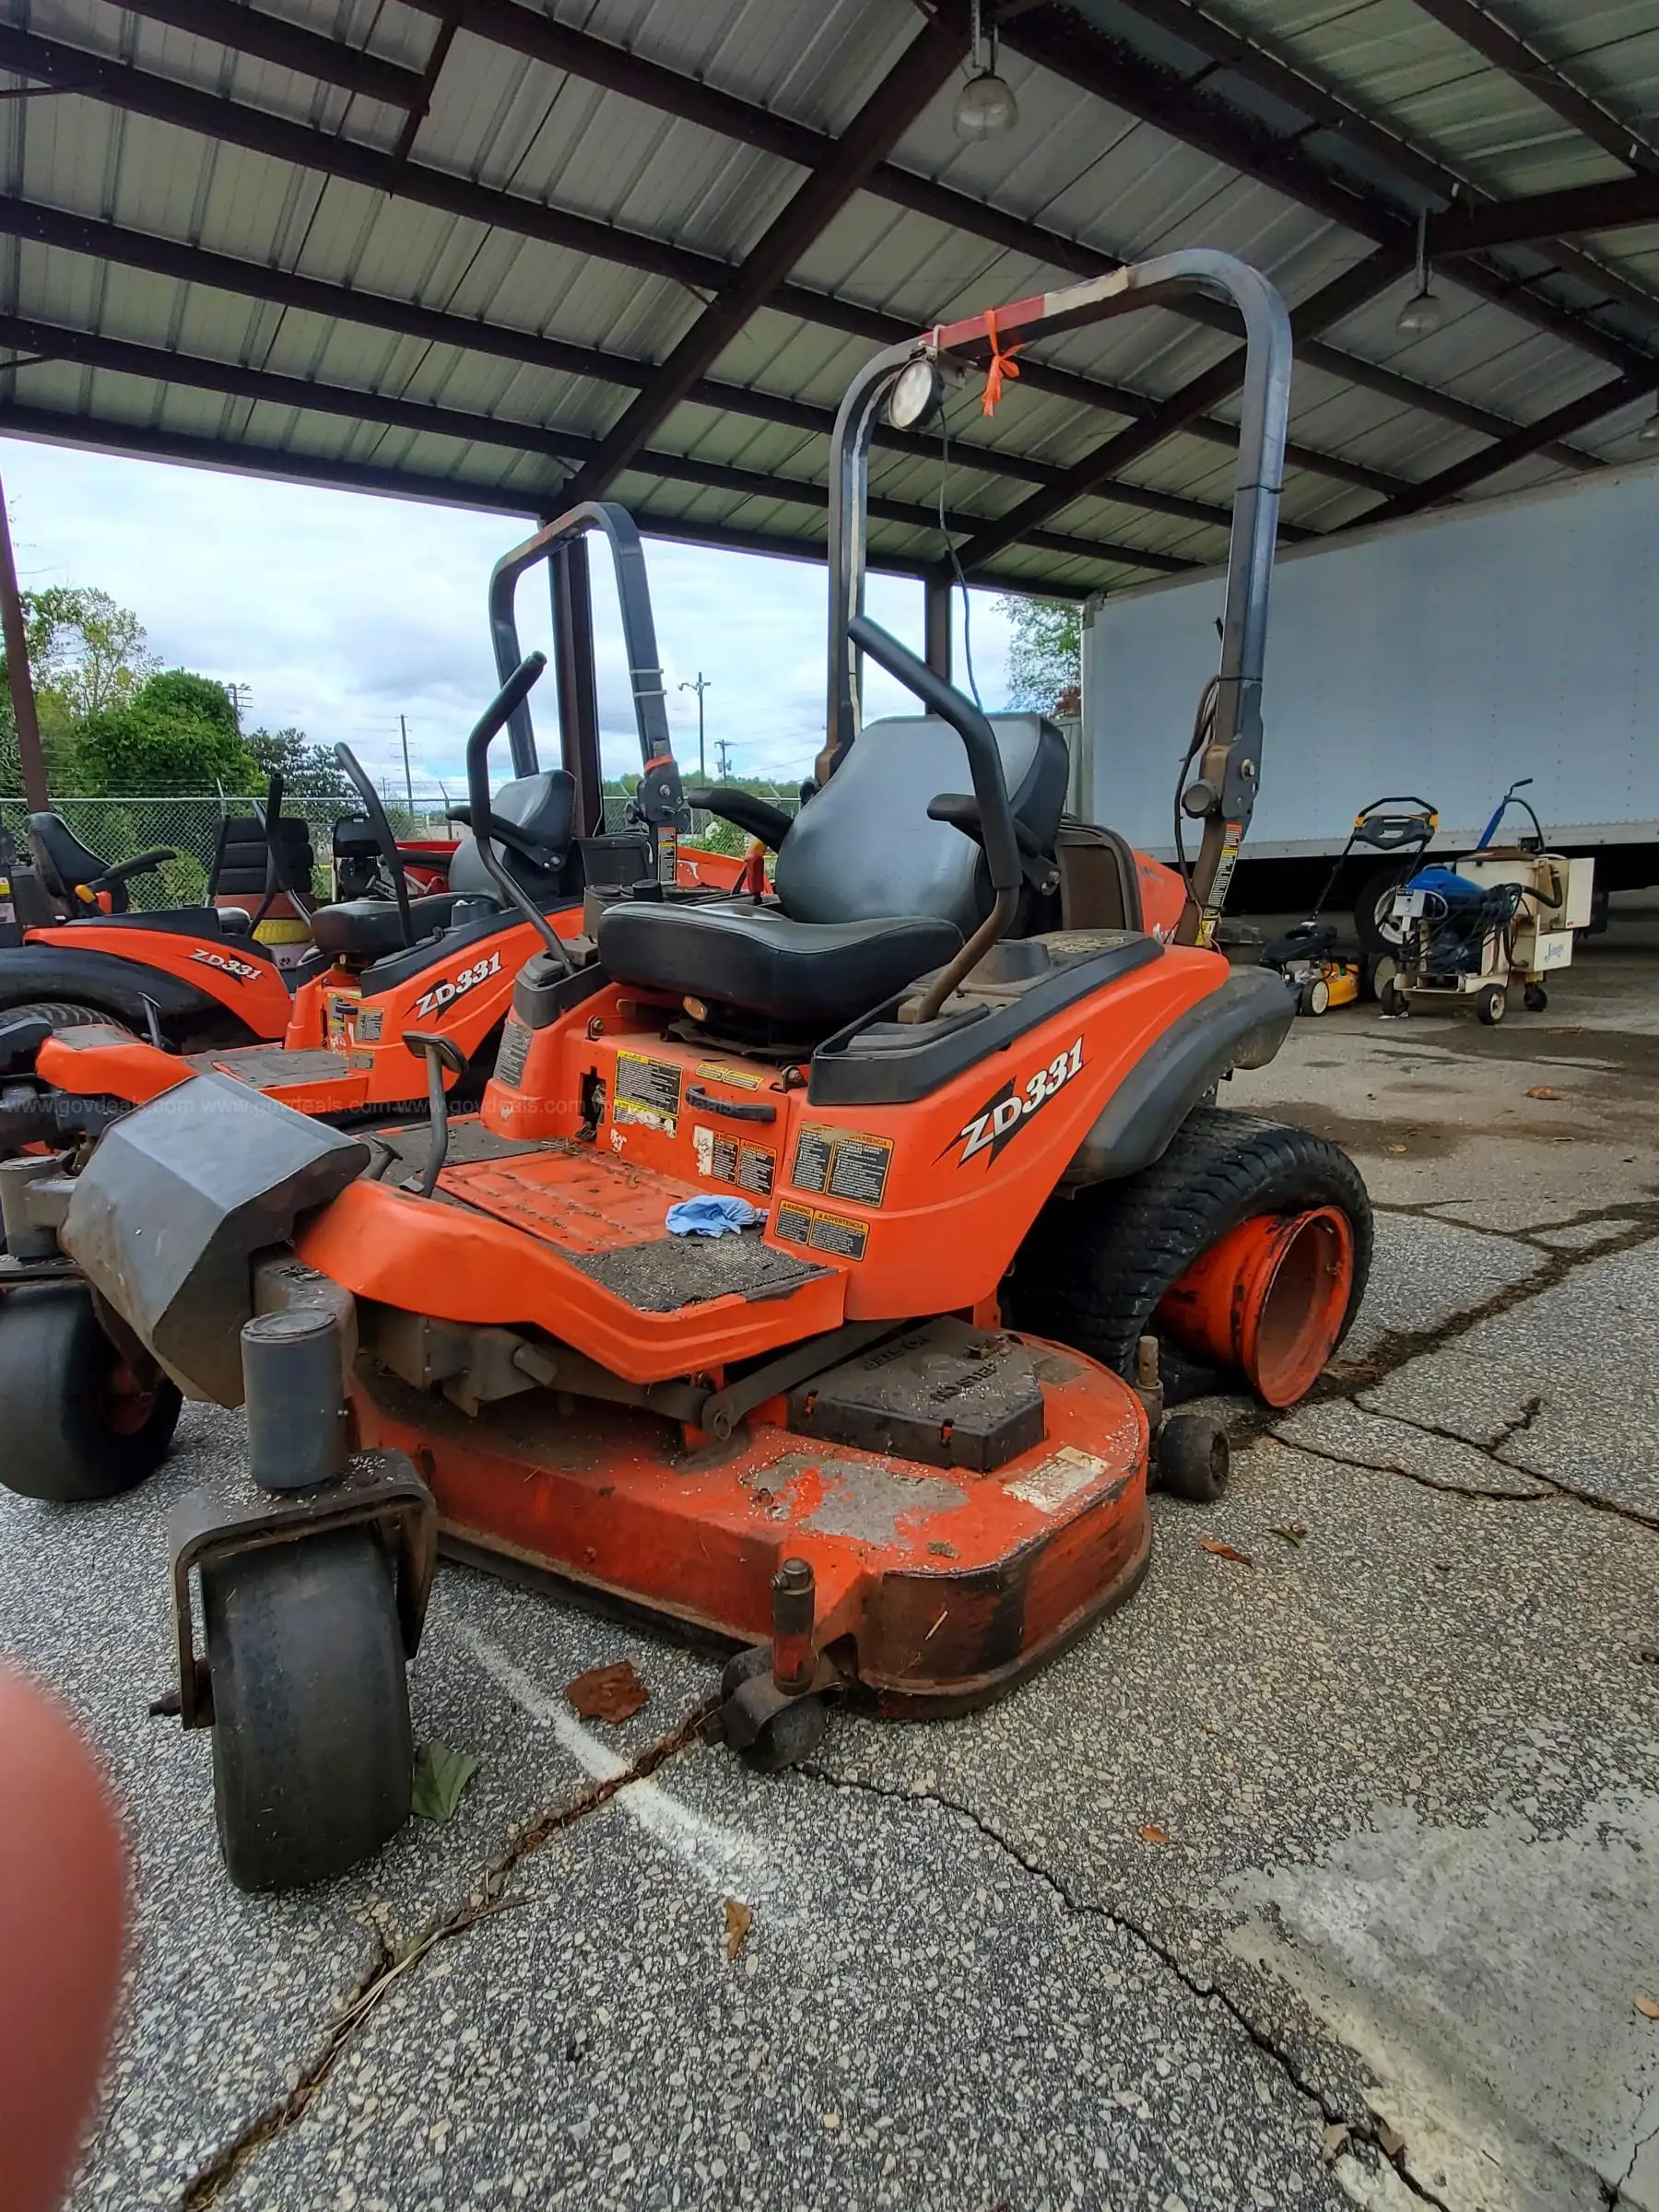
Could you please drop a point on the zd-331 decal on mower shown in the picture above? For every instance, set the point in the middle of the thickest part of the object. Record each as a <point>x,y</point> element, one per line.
<point>244,971</point>
<point>445,994</point>
<point>1003,1115</point>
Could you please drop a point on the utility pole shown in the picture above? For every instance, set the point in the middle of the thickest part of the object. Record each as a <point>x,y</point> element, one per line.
<point>31,759</point>
<point>403,731</point>
<point>723,747</point>
<point>699,686</point>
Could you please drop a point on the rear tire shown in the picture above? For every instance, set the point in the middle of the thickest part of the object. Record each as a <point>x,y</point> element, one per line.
<point>313,1758</point>
<point>77,1424</point>
<point>1093,1268</point>
<point>1492,1005</point>
<point>61,1012</point>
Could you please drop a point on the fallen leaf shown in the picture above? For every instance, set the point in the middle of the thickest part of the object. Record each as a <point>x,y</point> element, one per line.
<point>607,1693</point>
<point>1648,2009</point>
<point>440,1779</point>
<point>1152,1833</point>
<point>1226,1551</point>
<point>1293,1533</point>
<point>739,1921</point>
<point>1396,1148</point>
<point>1542,1090</point>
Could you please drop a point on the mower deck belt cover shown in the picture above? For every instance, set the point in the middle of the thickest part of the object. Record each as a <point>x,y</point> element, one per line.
<point>177,1199</point>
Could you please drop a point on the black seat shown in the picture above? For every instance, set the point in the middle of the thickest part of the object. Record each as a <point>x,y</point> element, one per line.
<point>543,809</point>
<point>360,930</point>
<point>871,892</point>
<point>64,860</point>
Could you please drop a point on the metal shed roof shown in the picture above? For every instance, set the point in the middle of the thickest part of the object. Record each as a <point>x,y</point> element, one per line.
<point>492,252</point>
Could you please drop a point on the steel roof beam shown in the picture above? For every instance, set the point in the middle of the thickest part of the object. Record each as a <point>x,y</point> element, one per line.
<point>1480,30</point>
<point>1520,445</point>
<point>234,124</point>
<point>597,61</point>
<point>921,71</point>
<point>1057,39</point>
<point>151,443</point>
<point>1621,205</point>
<point>1287,82</point>
<point>197,264</point>
<point>265,387</point>
<point>306,53</point>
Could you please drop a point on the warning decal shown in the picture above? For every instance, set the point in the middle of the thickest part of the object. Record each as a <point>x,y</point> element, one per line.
<point>823,1232</point>
<point>730,1160</point>
<point>842,1164</point>
<point>647,1090</point>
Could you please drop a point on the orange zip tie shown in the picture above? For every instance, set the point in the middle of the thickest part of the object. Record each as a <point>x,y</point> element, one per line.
<point>1002,364</point>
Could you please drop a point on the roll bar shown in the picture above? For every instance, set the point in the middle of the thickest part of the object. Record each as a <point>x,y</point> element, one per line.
<point>1222,792</point>
<point>638,630</point>
<point>487,828</point>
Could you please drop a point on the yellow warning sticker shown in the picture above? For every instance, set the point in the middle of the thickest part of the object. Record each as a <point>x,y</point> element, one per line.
<point>740,1078</point>
<point>824,1232</point>
<point>842,1164</point>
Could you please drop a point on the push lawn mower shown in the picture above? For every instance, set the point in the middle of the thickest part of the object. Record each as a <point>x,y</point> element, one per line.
<point>1503,913</point>
<point>331,1037</point>
<point>1306,956</point>
<point>892,1439</point>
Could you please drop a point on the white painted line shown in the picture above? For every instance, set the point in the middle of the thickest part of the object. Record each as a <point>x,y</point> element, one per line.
<point>731,1863</point>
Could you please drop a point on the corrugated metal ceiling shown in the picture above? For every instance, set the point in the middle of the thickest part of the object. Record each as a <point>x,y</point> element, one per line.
<point>448,260</point>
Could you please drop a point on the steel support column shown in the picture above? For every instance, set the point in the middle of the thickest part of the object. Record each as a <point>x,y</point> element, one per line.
<point>935,622</point>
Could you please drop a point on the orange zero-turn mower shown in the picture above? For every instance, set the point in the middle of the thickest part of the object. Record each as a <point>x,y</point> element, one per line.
<point>400,992</point>
<point>889,1439</point>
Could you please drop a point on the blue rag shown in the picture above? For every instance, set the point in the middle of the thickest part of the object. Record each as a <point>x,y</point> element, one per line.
<point>711,1217</point>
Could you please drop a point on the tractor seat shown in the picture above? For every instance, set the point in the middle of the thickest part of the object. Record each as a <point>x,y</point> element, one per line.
<point>360,930</point>
<point>67,861</point>
<point>834,947</point>
<point>542,808</point>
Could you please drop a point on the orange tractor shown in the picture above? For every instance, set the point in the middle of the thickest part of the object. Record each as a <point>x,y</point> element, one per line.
<point>820,1269</point>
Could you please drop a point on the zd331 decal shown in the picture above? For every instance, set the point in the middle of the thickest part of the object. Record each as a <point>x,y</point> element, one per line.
<point>445,994</point>
<point>1002,1117</point>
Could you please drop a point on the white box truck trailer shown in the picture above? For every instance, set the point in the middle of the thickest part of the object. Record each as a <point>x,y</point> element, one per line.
<point>1444,656</point>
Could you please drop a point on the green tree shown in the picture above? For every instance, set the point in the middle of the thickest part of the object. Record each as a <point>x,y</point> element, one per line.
<point>308,771</point>
<point>1045,663</point>
<point>86,656</point>
<point>176,732</point>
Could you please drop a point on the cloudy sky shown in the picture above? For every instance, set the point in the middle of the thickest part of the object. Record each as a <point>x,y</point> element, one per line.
<point>342,611</point>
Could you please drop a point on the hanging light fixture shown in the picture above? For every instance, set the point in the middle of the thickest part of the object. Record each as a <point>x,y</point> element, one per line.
<point>1425,312</point>
<point>985,105</point>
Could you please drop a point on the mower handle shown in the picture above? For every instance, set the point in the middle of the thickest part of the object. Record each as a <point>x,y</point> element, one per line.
<point>1387,832</point>
<point>990,786</point>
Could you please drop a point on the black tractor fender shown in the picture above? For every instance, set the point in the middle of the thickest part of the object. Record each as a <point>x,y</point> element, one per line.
<point>1241,1025</point>
<point>30,973</point>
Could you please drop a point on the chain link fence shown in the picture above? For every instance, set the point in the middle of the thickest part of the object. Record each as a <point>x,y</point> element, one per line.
<point>116,829</point>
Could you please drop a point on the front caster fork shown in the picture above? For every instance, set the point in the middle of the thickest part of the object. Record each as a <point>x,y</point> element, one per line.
<point>774,1697</point>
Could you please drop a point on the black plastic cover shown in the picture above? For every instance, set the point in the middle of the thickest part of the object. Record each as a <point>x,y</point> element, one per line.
<point>175,1201</point>
<point>946,1394</point>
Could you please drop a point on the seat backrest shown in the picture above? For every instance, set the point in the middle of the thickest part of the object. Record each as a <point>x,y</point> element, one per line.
<point>62,860</point>
<point>544,807</point>
<point>864,847</point>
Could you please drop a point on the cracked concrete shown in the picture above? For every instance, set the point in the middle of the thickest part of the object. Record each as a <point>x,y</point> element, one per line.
<point>1318,1881</point>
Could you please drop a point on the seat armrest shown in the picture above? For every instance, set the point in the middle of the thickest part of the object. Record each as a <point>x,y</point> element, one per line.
<point>754,815</point>
<point>125,869</point>
<point>961,810</point>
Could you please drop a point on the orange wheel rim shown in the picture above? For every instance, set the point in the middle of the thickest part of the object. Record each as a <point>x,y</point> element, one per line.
<point>125,1402</point>
<point>1269,1297</point>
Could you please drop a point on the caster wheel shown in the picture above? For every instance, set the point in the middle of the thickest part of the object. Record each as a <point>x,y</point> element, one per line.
<point>79,1423</point>
<point>1194,1458</point>
<point>1534,998</point>
<point>789,1736</point>
<point>1391,998</point>
<point>1492,1005</point>
<point>757,1660</point>
<point>313,1755</point>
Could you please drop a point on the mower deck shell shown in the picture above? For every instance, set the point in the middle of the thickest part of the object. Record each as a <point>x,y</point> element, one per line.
<point>937,1587</point>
